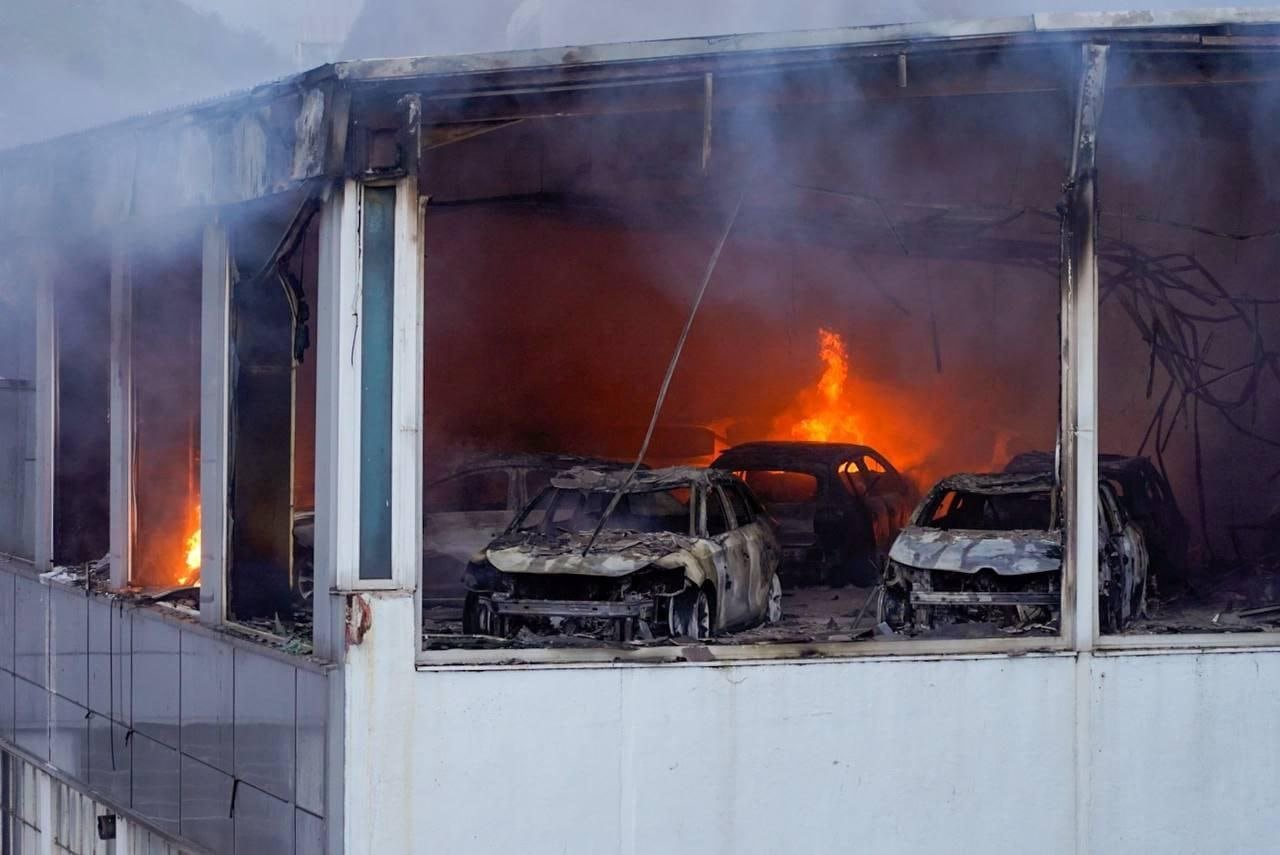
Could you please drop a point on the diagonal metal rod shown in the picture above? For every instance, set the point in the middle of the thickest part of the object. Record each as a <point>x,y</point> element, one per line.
<point>671,370</point>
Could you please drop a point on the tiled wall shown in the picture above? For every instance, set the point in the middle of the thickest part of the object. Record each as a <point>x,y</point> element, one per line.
<point>206,739</point>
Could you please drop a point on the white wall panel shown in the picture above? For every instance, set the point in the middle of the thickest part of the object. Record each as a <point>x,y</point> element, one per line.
<point>874,756</point>
<point>1186,753</point>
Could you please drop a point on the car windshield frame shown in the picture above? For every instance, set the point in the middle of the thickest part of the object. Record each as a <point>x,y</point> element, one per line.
<point>549,499</point>
<point>930,507</point>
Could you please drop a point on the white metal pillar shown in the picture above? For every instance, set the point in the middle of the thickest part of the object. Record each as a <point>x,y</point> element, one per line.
<point>1079,470</point>
<point>407,390</point>
<point>1080,353</point>
<point>46,412</point>
<point>215,337</point>
<point>121,501</point>
<point>337,478</point>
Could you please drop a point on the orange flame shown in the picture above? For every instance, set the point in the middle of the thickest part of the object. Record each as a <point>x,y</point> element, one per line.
<point>192,556</point>
<point>844,406</point>
<point>834,419</point>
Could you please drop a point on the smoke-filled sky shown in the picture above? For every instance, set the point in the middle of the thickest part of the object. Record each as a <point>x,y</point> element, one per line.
<point>72,64</point>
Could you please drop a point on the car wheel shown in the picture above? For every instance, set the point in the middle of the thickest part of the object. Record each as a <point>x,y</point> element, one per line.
<point>892,607</point>
<point>478,616</point>
<point>773,606</point>
<point>690,615</point>
<point>1111,613</point>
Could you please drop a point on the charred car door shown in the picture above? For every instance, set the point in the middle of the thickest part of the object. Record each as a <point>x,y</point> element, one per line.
<point>761,552</point>
<point>731,558</point>
<point>1123,564</point>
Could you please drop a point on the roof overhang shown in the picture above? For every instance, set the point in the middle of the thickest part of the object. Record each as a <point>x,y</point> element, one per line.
<point>287,135</point>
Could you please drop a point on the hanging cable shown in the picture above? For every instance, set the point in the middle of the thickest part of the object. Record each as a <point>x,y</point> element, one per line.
<point>671,370</point>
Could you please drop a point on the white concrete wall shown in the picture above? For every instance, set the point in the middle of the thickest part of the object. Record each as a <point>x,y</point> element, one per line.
<point>1181,754</point>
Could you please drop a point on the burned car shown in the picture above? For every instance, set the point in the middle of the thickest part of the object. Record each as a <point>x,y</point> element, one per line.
<point>837,507</point>
<point>989,548</point>
<point>462,511</point>
<point>1146,497</point>
<point>686,552</point>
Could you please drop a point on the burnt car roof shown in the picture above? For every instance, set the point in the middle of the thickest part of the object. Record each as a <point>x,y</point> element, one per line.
<point>1108,464</point>
<point>611,478</point>
<point>994,483</point>
<point>782,453</point>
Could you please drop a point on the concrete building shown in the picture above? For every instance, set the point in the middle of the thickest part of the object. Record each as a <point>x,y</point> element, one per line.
<point>237,339</point>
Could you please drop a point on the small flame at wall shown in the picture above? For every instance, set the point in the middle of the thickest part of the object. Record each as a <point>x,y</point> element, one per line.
<point>192,556</point>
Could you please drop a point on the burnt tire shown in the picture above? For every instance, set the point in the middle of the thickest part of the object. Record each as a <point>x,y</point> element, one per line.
<point>893,607</point>
<point>689,615</point>
<point>773,603</point>
<point>1110,613</point>
<point>479,617</point>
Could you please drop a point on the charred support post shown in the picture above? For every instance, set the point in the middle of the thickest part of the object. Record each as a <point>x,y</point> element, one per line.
<point>121,526</point>
<point>46,412</point>
<point>1079,289</point>
<point>407,388</point>
<point>215,333</point>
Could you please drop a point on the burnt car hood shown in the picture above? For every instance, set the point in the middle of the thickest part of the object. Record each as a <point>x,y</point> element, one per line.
<point>1007,553</point>
<point>614,554</point>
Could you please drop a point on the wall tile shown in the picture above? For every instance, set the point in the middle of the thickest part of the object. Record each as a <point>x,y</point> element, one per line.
<point>31,628</point>
<point>31,718</point>
<point>155,678</point>
<point>206,806</point>
<point>207,710</point>
<point>69,738</point>
<point>264,715</point>
<point>313,709</point>
<point>155,782</point>
<point>110,759</point>
<point>308,833</point>
<point>69,644</point>
<point>110,659</point>
<point>263,823</point>
<point>7,619</point>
